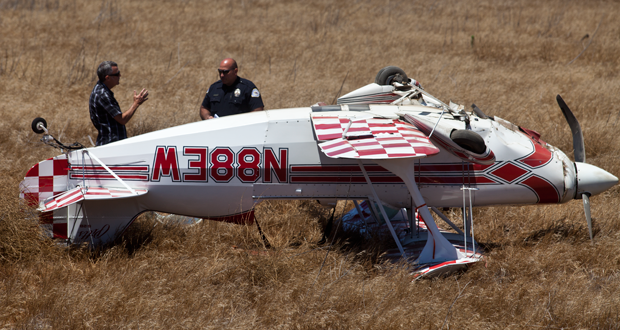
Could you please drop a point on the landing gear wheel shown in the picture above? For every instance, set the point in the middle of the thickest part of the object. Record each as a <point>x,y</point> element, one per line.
<point>35,125</point>
<point>379,74</point>
<point>390,74</point>
<point>469,140</point>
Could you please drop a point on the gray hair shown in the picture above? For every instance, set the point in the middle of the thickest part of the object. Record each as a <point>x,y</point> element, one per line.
<point>104,69</point>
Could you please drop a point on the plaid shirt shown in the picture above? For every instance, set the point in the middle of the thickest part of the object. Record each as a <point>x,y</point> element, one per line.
<point>103,108</point>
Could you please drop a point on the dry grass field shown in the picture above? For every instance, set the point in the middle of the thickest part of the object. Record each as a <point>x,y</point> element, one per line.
<point>511,58</point>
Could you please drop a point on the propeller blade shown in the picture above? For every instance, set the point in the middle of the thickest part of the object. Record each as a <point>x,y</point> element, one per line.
<point>586,209</point>
<point>578,145</point>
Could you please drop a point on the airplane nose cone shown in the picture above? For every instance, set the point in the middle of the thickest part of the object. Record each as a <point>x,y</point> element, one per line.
<point>593,180</point>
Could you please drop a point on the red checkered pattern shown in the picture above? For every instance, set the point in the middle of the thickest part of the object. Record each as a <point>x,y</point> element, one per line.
<point>45,180</point>
<point>93,193</point>
<point>330,128</point>
<point>371,138</point>
<point>383,146</point>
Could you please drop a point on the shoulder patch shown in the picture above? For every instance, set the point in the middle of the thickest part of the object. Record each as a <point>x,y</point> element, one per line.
<point>255,92</point>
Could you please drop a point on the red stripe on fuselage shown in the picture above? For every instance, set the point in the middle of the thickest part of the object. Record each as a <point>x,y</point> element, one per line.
<point>336,168</point>
<point>454,168</point>
<point>113,168</point>
<point>143,177</point>
<point>540,157</point>
<point>344,179</point>
<point>391,179</point>
<point>546,191</point>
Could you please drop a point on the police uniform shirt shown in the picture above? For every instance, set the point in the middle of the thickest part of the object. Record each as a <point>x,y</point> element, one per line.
<point>242,96</point>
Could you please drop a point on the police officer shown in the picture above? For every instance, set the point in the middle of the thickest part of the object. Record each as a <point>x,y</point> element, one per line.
<point>231,94</point>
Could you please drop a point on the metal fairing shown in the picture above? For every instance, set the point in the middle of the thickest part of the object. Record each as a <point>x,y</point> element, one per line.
<point>222,168</point>
<point>370,94</point>
<point>441,137</point>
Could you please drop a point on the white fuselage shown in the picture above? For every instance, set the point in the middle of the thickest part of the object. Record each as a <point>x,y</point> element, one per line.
<point>222,167</point>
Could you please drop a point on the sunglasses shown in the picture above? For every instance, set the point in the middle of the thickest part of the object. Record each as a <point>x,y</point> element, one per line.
<point>223,71</point>
<point>115,75</point>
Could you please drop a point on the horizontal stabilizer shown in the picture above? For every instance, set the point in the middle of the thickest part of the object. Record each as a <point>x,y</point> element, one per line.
<point>92,193</point>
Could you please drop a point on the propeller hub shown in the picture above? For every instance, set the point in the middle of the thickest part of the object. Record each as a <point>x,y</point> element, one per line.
<point>593,180</point>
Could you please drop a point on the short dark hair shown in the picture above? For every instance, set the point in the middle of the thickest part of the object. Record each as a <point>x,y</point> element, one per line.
<point>104,69</point>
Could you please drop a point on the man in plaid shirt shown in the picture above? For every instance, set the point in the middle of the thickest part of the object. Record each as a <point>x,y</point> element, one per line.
<point>105,113</point>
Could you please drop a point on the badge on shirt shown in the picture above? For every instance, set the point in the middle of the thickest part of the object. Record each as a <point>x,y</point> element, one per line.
<point>237,92</point>
<point>255,92</point>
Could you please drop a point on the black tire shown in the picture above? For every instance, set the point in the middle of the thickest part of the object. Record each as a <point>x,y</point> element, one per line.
<point>379,74</point>
<point>35,125</point>
<point>469,140</point>
<point>390,74</point>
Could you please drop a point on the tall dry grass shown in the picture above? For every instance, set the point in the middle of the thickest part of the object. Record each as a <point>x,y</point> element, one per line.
<point>510,58</point>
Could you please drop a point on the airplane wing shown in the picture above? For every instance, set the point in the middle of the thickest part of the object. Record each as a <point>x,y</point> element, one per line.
<point>370,138</point>
<point>92,193</point>
<point>394,145</point>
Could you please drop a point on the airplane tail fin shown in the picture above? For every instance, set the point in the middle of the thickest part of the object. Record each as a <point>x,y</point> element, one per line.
<point>43,181</point>
<point>78,214</point>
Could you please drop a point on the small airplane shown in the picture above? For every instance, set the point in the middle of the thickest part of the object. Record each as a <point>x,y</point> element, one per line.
<point>390,143</point>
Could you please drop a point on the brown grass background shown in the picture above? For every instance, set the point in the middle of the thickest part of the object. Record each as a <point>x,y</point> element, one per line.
<point>509,57</point>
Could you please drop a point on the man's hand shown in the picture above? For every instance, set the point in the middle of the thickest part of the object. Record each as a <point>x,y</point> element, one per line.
<point>140,98</point>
